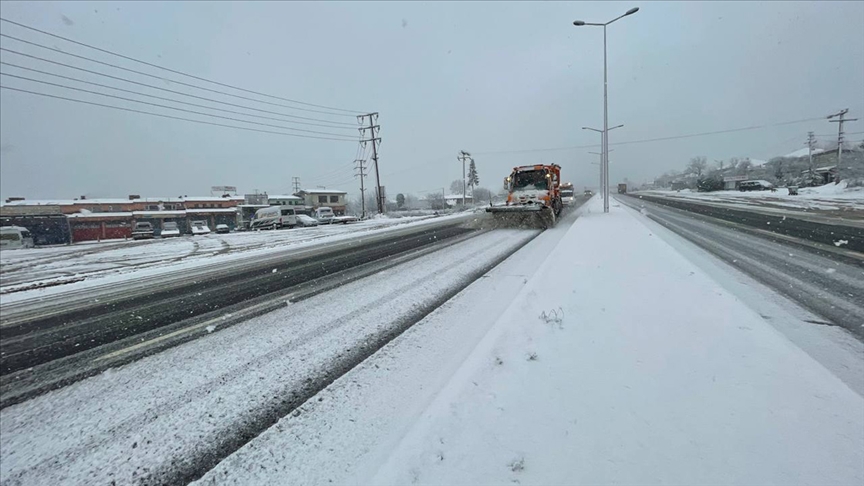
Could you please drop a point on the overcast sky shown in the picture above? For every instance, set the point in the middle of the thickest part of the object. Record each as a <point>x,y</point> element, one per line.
<point>484,77</point>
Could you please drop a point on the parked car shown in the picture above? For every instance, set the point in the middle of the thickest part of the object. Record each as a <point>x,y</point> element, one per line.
<point>324,215</point>
<point>755,185</point>
<point>12,237</point>
<point>200,228</point>
<point>142,231</point>
<point>303,220</point>
<point>222,228</point>
<point>169,229</point>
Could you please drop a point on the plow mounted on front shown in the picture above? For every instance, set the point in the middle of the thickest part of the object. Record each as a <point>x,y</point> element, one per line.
<point>533,198</point>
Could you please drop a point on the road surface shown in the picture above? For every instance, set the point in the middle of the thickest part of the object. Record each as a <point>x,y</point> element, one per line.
<point>827,280</point>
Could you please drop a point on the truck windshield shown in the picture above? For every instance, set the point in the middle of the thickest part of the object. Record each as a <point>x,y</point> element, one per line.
<point>535,179</point>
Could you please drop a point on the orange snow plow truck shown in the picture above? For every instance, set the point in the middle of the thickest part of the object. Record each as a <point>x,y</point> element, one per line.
<point>533,197</point>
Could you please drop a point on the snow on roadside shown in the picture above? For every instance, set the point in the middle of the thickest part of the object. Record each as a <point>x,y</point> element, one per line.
<point>830,197</point>
<point>141,421</point>
<point>655,375</point>
<point>364,414</point>
<point>114,264</point>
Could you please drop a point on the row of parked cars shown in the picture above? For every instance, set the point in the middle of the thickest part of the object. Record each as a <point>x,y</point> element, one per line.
<point>145,230</point>
<point>276,217</point>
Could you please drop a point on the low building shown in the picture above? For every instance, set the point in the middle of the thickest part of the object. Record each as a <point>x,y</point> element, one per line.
<point>47,223</point>
<point>82,219</point>
<point>316,198</point>
<point>277,200</point>
<point>456,200</point>
<point>827,174</point>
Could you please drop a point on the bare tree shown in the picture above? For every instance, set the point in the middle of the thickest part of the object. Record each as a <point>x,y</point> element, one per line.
<point>482,195</point>
<point>697,165</point>
<point>411,201</point>
<point>436,200</point>
<point>456,187</point>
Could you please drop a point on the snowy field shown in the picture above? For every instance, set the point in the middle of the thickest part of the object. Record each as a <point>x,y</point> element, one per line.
<point>595,355</point>
<point>830,197</point>
<point>25,273</point>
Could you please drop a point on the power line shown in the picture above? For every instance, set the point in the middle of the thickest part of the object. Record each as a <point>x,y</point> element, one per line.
<point>332,123</point>
<point>171,117</point>
<point>54,49</point>
<point>659,139</point>
<point>174,71</point>
<point>163,98</point>
<point>169,107</point>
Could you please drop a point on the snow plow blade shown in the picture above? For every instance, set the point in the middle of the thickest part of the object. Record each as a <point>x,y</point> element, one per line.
<point>522,216</point>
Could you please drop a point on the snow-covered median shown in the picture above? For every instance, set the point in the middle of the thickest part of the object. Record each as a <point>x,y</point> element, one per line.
<point>605,357</point>
<point>830,197</point>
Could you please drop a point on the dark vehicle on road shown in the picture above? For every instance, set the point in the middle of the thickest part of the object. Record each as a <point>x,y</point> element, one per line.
<point>223,228</point>
<point>755,185</point>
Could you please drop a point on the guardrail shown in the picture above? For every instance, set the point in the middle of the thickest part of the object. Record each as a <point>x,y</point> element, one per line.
<point>846,237</point>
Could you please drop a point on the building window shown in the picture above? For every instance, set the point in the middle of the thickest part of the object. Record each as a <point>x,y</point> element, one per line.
<point>334,199</point>
<point>322,199</point>
<point>153,207</point>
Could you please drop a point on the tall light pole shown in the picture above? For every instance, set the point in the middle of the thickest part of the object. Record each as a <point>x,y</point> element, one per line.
<point>601,166</point>
<point>579,23</point>
<point>604,184</point>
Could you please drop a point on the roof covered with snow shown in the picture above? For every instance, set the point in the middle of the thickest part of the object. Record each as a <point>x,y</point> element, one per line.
<point>321,191</point>
<point>278,196</point>
<point>803,152</point>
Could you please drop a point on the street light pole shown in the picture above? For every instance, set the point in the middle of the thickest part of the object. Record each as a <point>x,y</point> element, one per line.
<point>605,141</point>
<point>604,161</point>
<point>601,166</point>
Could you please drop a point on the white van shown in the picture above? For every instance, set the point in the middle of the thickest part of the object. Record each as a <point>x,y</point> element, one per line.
<point>274,217</point>
<point>12,237</point>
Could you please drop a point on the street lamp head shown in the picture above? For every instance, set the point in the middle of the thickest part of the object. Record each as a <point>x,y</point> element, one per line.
<point>578,23</point>
<point>632,11</point>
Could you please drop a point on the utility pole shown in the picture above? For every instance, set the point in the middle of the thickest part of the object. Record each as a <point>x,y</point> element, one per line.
<point>811,143</point>
<point>463,156</point>
<point>362,168</point>
<point>295,182</point>
<point>841,114</point>
<point>373,117</point>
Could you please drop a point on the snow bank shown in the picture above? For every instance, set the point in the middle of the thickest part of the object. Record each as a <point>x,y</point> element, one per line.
<point>621,362</point>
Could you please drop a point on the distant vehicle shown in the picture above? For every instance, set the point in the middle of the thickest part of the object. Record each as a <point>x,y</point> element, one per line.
<point>142,231</point>
<point>274,217</point>
<point>303,220</point>
<point>169,229</point>
<point>568,196</point>
<point>755,185</point>
<point>324,215</point>
<point>12,237</point>
<point>200,228</point>
<point>222,228</point>
<point>588,193</point>
<point>622,188</point>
